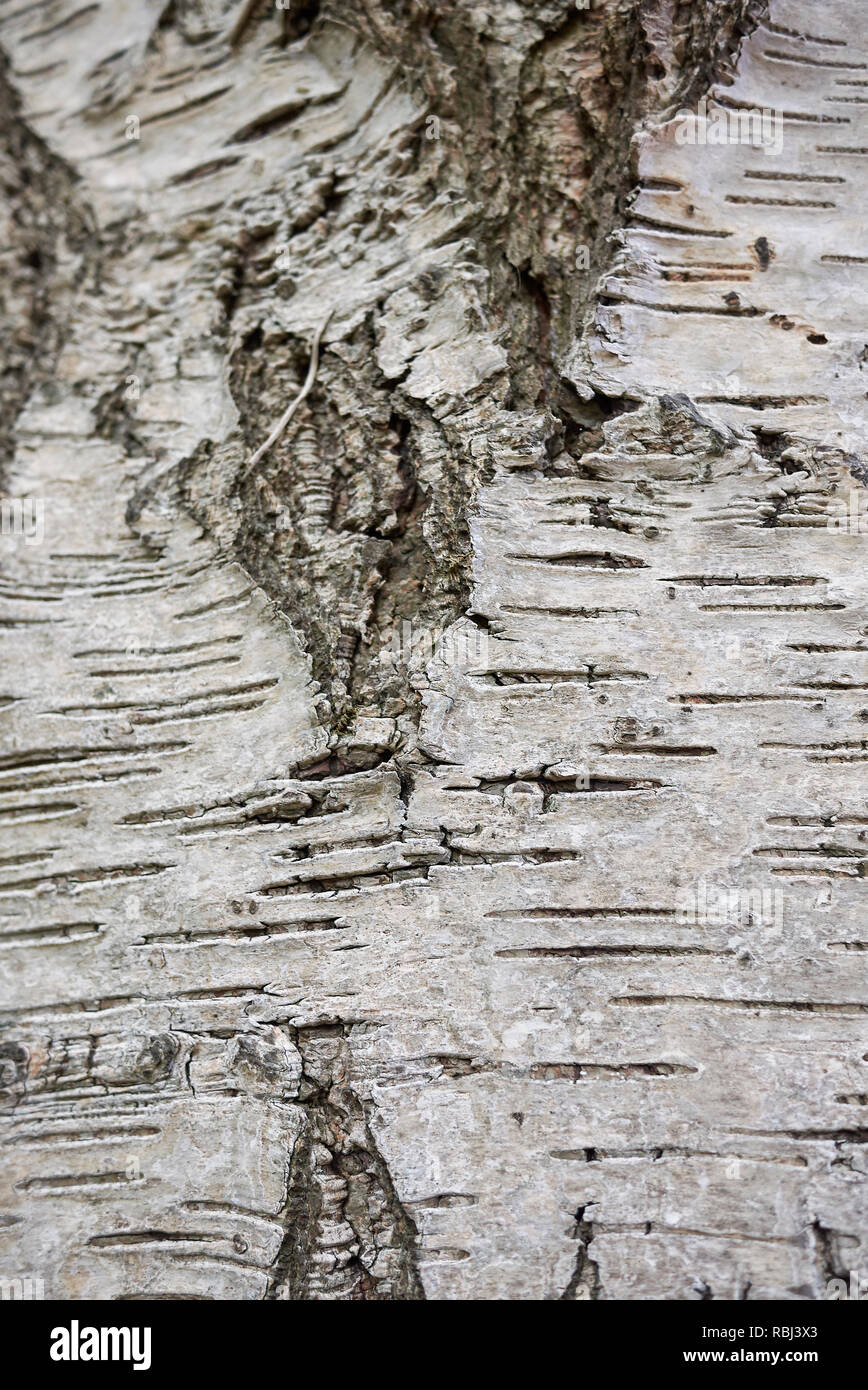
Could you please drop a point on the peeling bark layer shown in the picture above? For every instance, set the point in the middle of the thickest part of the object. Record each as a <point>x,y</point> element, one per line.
<point>432,860</point>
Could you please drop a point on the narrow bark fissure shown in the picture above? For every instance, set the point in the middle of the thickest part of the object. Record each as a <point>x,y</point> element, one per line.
<point>44,223</point>
<point>347,1235</point>
<point>584,1281</point>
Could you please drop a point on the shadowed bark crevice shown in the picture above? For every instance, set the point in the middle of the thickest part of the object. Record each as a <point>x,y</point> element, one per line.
<point>347,1234</point>
<point>44,222</point>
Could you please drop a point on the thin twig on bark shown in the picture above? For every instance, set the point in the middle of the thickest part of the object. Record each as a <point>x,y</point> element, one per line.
<point>293,406</point>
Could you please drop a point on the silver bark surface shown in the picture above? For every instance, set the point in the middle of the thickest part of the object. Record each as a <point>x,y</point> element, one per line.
<point>432,859</point>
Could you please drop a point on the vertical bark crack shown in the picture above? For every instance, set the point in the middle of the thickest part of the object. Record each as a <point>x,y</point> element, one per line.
<point>347,1234</point>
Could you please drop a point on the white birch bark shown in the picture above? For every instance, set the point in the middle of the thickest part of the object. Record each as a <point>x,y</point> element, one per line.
<point>532,968</point>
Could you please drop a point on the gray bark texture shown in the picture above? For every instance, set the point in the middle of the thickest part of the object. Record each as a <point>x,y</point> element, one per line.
<point>432,848</point>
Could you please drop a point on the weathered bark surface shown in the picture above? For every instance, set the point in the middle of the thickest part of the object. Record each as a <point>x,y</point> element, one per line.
<point>331,969</point>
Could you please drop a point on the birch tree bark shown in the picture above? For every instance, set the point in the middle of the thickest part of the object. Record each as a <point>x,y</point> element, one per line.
<point>432,854</point>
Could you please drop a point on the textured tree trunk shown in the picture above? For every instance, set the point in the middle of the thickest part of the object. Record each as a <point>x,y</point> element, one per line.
<point>432,848</point>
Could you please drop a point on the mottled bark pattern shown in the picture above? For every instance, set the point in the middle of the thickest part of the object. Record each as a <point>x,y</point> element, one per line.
<point>337,963</point>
